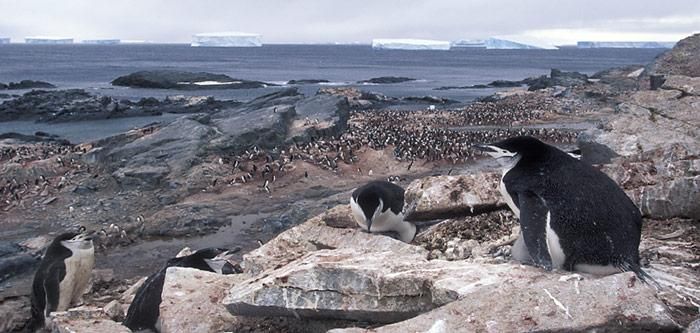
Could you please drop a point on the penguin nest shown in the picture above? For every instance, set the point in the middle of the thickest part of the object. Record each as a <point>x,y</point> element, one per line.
<point>482,228</point>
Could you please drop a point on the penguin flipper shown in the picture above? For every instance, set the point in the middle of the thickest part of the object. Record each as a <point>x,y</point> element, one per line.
<point>533,224</point>
<point>52,286</point>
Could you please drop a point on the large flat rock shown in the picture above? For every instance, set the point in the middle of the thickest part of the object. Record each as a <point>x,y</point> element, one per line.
<point>191,301</point>
<point>385,286</point>
<point>617,303</point>
<point>453,196</point>
<point>334,229</point>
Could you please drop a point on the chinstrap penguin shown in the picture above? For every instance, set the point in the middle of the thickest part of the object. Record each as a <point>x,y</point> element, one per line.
<point>378,207</point>
<point>144,311</point>
<point>572,216</point>
<point>62,276</point>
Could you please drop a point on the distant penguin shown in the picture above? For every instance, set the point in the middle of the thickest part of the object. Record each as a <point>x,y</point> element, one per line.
<point>63,275</point>
<point>572,216</point>
<point>144,311</point>
<point>378,207</point>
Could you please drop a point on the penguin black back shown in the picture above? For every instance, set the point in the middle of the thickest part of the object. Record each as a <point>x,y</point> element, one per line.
<point>368,195</point>
<point>594,221</point>
<point>144,311</point>
<point>50,272</point>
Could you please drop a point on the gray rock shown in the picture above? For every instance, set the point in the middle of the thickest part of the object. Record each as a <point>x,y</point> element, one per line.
<point>453,196</point>
<point>15,313</point>
<point>694,327</point>
<point>170,79</point>
<point>683,59</point>
<point>84,319</point>
<point>334,229</point>
<point>191,301</point>
<point>687,85</point>
<point>617,303</point>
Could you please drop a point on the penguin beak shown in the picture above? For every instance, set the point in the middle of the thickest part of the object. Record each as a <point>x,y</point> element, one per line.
<point>485,148</point>
<point>369,225</point>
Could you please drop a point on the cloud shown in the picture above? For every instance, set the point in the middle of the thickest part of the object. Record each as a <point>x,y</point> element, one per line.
<point>347,21</point>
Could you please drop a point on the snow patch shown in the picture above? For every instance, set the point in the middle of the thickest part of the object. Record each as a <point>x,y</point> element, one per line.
<point>410,44</point>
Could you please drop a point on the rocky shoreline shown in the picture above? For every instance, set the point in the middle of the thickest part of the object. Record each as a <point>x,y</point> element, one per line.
<point>202,177</point>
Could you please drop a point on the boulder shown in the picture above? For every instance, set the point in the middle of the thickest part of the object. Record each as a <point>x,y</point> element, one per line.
<point>387,80</point>
<point>366,284</point>
<point>84,319</point>
<point>171,79</point>
<point>15,313</point>
<point>319,116</point>
<point>617,303</point>
<point>334,229</point>
<point>307,81</point>
<point>453,196</point>
<point>686,85</point>
<point>683,59</point>
<point>27,84</point>
<point>191,301</point>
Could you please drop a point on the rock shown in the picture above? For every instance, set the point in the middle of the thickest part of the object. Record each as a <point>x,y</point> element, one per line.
<point>357,98</point>
<point>452,196</point>
<point>430,99</point>
<point>170,79</point>
<point>15,313</point>
<point>192,301</point>
<point>27,84</point>
<point>556,78</point>
<point>66,105</point>
<point>114,310</point>
<point>37,244</point>
<point>610,304</point>
<point>694,327</point>
<point>687,85</point>
<point>319,116</point>
<point>307,81</point>
<point>334,229</point>
<point>84,319</point>
<point>683,59</point>
<point>387,80</point>
<point>16,264</point>
<point>128,295</point>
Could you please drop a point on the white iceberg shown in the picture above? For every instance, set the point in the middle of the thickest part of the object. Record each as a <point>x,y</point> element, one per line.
<point>4,40</point>
<point>101,41</point>
<point>499,44</point>
<point>226,39</point>
<point>625,45</point>
<point>48,40</point>
<point>410,44</point>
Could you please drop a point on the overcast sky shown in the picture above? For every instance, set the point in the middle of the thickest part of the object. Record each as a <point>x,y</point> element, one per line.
<point>322,21</point>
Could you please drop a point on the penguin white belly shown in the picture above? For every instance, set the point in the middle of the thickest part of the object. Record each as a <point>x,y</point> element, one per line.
<point>78,271</point>
<point>556,253</point>
<point>358,214</point>
<point>508,198</point>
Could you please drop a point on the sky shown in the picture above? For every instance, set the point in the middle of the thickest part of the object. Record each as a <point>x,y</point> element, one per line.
<point>350,21</point>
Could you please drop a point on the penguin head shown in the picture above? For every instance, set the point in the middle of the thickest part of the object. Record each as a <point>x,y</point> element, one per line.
<point>371,205</point>
<point>515,148</point>
<point>75,240</point>
<point>209,259</point>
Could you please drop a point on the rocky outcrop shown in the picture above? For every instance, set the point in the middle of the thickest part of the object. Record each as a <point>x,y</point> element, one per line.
<point>618,303</point>
<point>492,84</point>
<point>683,59</point>
<point>84,319</point>
<point>184,287</point>
<point>26,84</point>
<point>556,78</point>
<point>655,133</point>
<point>170,79</point>
<point>453,196</point>
<point>307,81</point>
<point>68,105</point>
<point>387,80</point>
<point>357,98</point>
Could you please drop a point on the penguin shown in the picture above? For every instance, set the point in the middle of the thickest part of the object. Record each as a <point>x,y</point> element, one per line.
<point>63,275</point>
<point>572,216</point>
<point>144,311</point>
<point>378,207</point>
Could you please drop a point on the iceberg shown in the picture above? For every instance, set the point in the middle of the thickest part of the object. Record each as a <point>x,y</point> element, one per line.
<point>48,40</point>
<point>4,40</point>
<point>496,44</point>
<point>101,41</point>
<point>625,45</point>
<point>410,44</point>
<point>226,39</point>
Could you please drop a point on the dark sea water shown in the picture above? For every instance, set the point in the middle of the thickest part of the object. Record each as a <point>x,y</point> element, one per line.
<point>94,66</point>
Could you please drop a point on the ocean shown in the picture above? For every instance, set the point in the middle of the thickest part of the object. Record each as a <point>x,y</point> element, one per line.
<point>92,67</point>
